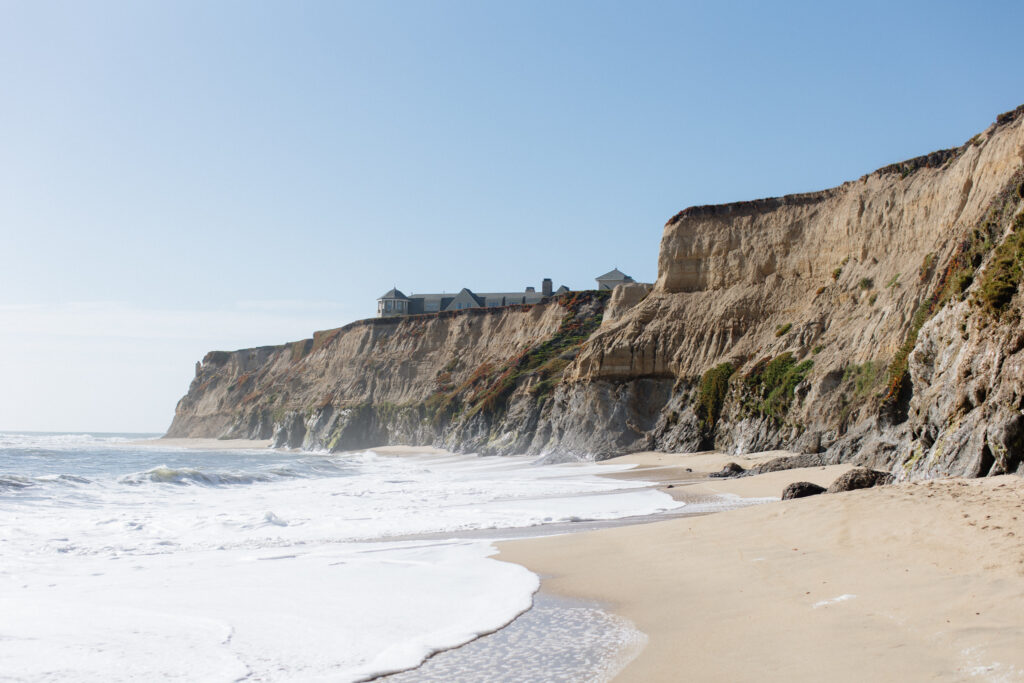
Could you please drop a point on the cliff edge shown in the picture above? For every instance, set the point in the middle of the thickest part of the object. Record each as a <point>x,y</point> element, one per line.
<point>875,322</point>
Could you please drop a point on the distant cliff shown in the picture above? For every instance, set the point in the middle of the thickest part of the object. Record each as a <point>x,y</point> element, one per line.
<point>878,322</point>
<point>474,379</point>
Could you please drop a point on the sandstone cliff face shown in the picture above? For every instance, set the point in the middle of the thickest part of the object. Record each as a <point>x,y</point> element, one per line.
<point>454,379</point>
<point>857,322</point>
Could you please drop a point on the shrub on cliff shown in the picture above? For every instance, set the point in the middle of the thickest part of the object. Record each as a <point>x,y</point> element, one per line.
<point>773,384</point>
<point>490,387</point>
<point>996,288</point>
<point>714,386</point>
<point>1003,275</point>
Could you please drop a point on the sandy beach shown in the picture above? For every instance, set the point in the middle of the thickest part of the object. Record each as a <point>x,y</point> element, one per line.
<point>685,476</point>
<point>919,581</point>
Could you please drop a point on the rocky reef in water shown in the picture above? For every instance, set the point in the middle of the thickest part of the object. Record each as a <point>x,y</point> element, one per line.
<point>878,322</point>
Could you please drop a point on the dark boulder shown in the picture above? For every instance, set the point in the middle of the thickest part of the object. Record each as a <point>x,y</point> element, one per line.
<point>801,489</point>
<point>730,470</point>
<point>790,462</point>
<point>860,478</point>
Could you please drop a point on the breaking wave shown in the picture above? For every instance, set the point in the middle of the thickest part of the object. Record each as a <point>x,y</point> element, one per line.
<point>186,475</point>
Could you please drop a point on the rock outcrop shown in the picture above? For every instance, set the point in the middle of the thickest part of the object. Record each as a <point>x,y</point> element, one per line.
<point>801,489</point>
<point>730,469</point>
<point>877,322</point>
<point>860,478</point>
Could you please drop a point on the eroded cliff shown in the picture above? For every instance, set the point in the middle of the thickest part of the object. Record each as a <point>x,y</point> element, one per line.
<point>878,321</point>
<point>469,380</point>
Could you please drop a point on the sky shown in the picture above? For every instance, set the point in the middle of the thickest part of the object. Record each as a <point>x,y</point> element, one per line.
<point>183,176</point>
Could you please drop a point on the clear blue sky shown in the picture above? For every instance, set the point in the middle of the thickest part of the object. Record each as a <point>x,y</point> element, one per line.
<point>181,176</point>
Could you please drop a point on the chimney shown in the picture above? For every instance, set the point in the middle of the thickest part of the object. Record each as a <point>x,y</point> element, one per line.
<point>546,287</point>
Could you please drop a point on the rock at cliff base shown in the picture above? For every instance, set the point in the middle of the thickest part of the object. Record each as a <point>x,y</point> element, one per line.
<point>730,470</point>
<point>809,442</point>
<point>860,478</point>
<point>790,462</point>
<point>801,489</point>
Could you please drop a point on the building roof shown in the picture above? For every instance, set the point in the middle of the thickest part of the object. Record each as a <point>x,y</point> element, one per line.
<point>614,274</point>
<point>465,296</point>
<point>393,294</point>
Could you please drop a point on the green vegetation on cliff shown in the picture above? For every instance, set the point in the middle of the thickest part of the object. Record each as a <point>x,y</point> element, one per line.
<point>998,285</point>
<point>771,385</point>
<point>714,386</point>
<point>490,386</point>
<point>1003,275</point>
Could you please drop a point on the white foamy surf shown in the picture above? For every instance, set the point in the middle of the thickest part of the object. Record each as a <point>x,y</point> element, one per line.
<point>123,562</point>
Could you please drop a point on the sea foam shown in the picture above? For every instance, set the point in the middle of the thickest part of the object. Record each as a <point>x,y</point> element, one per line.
<point>277,566</point>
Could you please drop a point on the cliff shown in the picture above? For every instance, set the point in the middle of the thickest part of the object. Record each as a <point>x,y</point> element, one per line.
<point>468,380</point>
<point>877,322</point>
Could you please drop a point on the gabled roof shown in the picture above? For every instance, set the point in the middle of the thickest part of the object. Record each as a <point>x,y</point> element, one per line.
<point>614,274</point>
<point>466,297</point>
<point>393,294</point>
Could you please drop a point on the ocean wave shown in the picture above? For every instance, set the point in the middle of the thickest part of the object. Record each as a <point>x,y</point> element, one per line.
<point>12,482</point>
<point>59,442</point>
<point>186,475</point>
<point>71,479</point>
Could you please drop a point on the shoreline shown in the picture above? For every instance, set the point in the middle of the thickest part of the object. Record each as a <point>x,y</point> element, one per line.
<point>906,582</point>
<point>686,476</point>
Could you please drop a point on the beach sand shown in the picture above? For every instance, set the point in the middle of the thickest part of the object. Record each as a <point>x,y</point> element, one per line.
<point>912,582</point>
<point>685,475</point>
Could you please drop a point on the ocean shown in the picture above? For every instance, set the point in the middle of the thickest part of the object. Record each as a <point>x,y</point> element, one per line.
<point>122,560</point>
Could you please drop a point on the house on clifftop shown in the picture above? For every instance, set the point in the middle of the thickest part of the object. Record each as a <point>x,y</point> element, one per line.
<point>394,303</point>
<point>612,278</point>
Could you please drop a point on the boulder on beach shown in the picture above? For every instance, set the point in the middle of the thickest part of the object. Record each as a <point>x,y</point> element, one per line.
<point>730,470</point>
<point>860,478</point>
<point>790,462</point>
<point>801,489</point>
